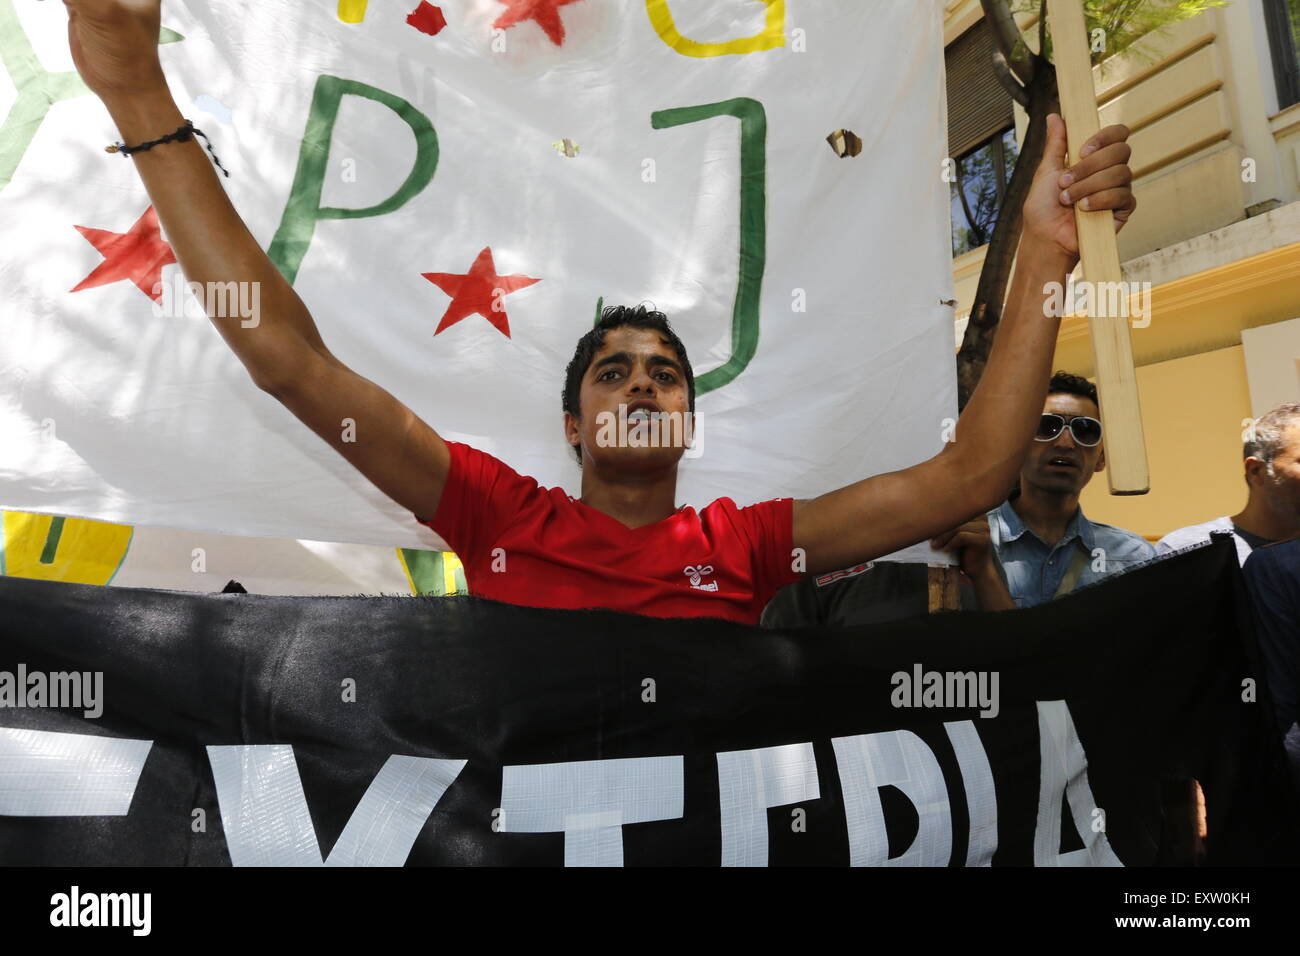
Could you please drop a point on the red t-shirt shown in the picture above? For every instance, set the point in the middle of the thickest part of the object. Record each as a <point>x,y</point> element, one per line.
<point>524,544</point>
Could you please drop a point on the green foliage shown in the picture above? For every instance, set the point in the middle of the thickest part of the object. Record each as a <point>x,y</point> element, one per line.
<point>1124,22</point>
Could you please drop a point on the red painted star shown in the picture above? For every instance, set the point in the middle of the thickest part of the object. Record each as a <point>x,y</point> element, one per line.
<point>138,255</point>
<point>478,292</point>
<point>545,12</point>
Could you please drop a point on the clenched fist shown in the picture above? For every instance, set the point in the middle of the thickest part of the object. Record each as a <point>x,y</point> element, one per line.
<point>115,46</point>
<point>1101,179</point>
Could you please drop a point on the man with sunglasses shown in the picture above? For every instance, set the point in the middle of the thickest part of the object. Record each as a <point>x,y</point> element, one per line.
<point>1034,547</point>
<point>1043,542</point>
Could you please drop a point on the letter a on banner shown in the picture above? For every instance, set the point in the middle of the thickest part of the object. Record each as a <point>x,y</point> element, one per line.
<point>1064,773</point>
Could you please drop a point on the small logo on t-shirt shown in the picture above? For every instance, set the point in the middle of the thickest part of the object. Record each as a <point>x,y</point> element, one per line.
<point>697,574</point>
<point>826,579</point>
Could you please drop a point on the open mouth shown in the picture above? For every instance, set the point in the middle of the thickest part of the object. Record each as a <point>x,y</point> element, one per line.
<point>1061,461</point>
<point>642,411</point>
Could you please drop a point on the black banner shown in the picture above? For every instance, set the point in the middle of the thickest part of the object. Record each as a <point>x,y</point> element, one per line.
<point>353,731</point>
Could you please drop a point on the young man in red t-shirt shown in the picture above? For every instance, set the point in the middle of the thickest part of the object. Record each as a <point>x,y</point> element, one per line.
<point>624,544</point>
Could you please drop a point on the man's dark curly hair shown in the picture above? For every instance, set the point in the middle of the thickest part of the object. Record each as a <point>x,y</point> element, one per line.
<point>613,317</point>
<point>1063,383</point>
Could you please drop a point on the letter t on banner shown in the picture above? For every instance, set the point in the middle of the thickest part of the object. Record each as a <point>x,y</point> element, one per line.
<point>590,801</point>
<point>1112,351</point>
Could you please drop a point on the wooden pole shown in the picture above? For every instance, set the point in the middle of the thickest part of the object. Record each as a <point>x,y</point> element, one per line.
<point>943,587</point>
<point>1126,459</point>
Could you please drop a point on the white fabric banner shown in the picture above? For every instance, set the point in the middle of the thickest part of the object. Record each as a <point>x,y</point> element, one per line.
<point>96,552</point>
<point>669,151</point>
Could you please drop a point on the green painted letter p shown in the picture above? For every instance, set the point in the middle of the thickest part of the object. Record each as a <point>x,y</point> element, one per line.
<point>304,210</point>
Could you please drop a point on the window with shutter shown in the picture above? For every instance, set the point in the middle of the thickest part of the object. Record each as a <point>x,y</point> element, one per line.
<point>981,139</point>
<point>1283,18</point>
<point>978,106</point>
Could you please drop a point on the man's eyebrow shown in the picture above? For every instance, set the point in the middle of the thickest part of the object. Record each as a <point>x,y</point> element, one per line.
<point>615,358</point>
<point>625,358</point>
<point>665,360</point>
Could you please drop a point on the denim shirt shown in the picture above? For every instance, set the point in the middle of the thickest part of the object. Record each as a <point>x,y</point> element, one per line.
<point>1033,570</point>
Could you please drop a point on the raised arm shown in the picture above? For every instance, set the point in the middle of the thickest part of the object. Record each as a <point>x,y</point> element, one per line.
<point>115,48</point>
<point>974,472</point>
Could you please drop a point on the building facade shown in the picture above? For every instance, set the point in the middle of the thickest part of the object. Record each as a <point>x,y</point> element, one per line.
<point>1214,106</point>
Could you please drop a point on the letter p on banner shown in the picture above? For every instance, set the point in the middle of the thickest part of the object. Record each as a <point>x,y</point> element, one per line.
<point>303,210</point>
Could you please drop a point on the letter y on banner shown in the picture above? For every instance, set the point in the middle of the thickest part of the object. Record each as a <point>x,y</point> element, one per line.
<point>266,821</point>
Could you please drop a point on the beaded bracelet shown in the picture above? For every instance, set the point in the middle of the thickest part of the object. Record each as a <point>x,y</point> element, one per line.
<point>181,135</point>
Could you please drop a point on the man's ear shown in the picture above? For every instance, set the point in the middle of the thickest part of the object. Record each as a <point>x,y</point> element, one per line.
<point>1101,461</point>
<point>571,433</point>
<point>1252,470</point>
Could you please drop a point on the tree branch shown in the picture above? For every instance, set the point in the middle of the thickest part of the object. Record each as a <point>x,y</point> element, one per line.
<point>1009,82</point>
<point>986,310</point>
<point>1042,29</point>
<point>1007,38</point>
